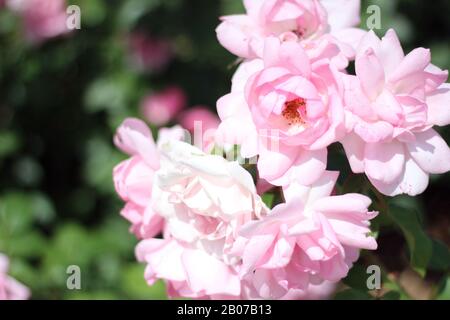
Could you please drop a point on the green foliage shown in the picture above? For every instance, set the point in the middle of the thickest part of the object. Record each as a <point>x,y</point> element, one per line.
<point>420,245</point>
<point>440,259</point>
<point>357,278</point>
<point>445,293</point>
<point>268,199</point>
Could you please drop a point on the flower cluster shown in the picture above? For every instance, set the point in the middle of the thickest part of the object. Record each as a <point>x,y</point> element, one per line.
<point>292,96</point>
<point>219,238</point>
<point>10,289</point>
<point>203,226</point>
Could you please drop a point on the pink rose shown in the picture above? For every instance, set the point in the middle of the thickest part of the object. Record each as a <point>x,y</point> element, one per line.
<point>392,104</point>
<point>303,20</point>
<point>200,114</point>
<point>145,223</point>
<point>202,123</point>
<point>311,238</point>
<point>42,19</point>
<point>149,53</point>
<point>220,241</point>
<point>204,200</point>
<point>188,272</point>
<point>133,178</point>
<point>205,196</point>
<point>287,109</point>
<point>161,107</point>
<point>10,289</point>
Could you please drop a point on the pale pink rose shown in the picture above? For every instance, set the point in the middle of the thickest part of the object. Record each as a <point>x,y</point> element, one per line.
<point>303,20</point>
<point>174,133</point>
<point>42,19</point>
<point>205,196</point>
<point>149,53</point>
<point>221,242</point>
<point>10,289</point>
<point>286,108</point>
<point>311,238</point>
<point>392,104</point>
<point>204,200</point>
<point>133,178</point>
<point>187,271</point>
<point>145,223</point>
<point>161,107</point>
<point>202,124</point>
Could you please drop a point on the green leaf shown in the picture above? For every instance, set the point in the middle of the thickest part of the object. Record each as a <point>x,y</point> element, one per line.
<point>440,259</point>
<point>445,293</point>
<point>419,244</point>
<point>101,158</point>
<point>268,199</point>
<point>354,183</point>
<point>110,93</point>
<point>15,214</point>
<point>71,246</point>
<point>116,237</point>
<point>43,209</point>
<point>357,278</point>
<point>391,285</point>
<point>24,272</point>
<point>93,11</point>
<point>230,7</point>
<point>135,286</point>
<point>29,244</point>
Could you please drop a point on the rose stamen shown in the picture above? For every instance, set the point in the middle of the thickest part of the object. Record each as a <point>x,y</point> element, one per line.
<point>300,32</point>
<point>295,111</point>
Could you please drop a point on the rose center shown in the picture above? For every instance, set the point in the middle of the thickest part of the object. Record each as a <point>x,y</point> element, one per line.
<point>299,32</point>
<point>295,111</point>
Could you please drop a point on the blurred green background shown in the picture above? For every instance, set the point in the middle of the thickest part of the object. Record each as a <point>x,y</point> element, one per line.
<point>60,103</point>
